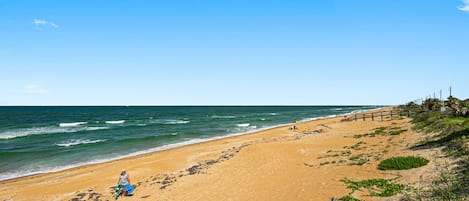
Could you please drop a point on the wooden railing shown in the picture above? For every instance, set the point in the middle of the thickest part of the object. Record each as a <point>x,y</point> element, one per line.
<point>379,115</point>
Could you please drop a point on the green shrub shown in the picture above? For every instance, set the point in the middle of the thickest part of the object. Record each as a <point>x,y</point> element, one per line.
<point>376,187</point>
<point>349,198</point>
<point>402,163</point>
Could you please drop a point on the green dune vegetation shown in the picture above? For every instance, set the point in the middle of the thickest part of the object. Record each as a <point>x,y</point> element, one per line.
<point>445,124</point>
<point>402,163</point>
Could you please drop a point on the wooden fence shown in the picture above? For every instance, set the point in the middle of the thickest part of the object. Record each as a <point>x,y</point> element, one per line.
<point>379,115</point>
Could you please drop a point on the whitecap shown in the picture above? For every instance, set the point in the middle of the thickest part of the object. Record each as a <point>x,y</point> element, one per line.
<point>96,128</point>
<point>74,142</point>
<point>243,125</point>
<point>273,113</point>
<point>176,122</point>
<point>116,122</point>
<point>22,132</point>
<point>72,124</point>
<point>223,117</point>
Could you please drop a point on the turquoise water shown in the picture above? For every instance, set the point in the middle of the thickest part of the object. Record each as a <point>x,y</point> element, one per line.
<point>44,139</point>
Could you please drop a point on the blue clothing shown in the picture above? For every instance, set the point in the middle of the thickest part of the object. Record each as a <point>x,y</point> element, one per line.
<point>129,189</point>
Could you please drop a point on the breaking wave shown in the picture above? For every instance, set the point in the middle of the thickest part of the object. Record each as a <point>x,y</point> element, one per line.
<point>74,142</point>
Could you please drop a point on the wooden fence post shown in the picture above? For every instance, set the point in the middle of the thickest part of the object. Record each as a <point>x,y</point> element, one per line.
<point>355,117</point>
<point>364,117</point>
<point>381,115</point>
<point>372,116</point>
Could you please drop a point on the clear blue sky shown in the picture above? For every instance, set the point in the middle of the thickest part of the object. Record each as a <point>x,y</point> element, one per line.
<point>231,52</point>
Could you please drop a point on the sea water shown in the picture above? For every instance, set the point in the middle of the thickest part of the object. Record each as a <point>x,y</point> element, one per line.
<point>45,139</point>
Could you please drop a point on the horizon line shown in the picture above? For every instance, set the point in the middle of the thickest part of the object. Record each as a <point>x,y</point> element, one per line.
<point>228,105</point>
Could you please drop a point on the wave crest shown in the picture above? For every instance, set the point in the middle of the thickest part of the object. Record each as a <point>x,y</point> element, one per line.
<point>176,122</point>
<point>72,124</point>
<point>223,117</point>
<point>74,142</point>
<point>115,122</point>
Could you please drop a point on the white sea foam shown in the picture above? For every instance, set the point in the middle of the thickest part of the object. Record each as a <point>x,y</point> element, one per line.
<point>22,132</point>
<point>273,113</point>
<point>96,128</point>
<point>116,122</point>
<point>308,119</point>
<point>337,109</point>
<point>262,119</point>
<point>243,125</point>
<point>73,124</point>
<point>74,142</point>
<point>223,117</point>
<point>176,122</point>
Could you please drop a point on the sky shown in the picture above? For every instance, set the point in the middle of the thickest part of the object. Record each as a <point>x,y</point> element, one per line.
<point>232,52</point>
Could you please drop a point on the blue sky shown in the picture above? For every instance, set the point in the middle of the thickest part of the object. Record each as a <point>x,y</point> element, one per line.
<point>231,52</point>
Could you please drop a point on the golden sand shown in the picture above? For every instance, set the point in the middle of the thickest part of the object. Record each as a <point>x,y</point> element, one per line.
<point>276,164</point>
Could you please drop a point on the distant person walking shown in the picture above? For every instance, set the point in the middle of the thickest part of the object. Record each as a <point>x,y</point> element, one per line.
<point>294,127</point>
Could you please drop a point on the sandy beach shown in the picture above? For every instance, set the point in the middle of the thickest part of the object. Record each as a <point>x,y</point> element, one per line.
<point>276,164</point>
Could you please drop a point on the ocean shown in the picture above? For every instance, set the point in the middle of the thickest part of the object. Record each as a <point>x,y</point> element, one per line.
<point>39,139</point>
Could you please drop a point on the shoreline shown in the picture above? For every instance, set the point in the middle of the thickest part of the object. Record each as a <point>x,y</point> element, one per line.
<point>180,144</point>
<point>262,160</point>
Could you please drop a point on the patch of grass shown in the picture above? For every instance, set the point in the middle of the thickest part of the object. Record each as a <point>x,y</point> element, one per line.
<point>382,131</point>
<point>357,146</point>
<point>324,163</point>
<point>448,138</point>
<point>397,132</point>
<point>360,162</point>
<point>354,158</point>
<point>402,163</point>
<point>376,187</point>
<point>348,198</point>
<point>332,153</point>
<point>447,186</point>
<point>346,153</point>
<point>359,159</point>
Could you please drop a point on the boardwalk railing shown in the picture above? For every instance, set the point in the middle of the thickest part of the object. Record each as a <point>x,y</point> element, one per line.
<point>379,115</point>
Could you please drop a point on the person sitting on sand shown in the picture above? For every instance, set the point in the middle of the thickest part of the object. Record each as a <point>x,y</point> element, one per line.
<point>124,184</point>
